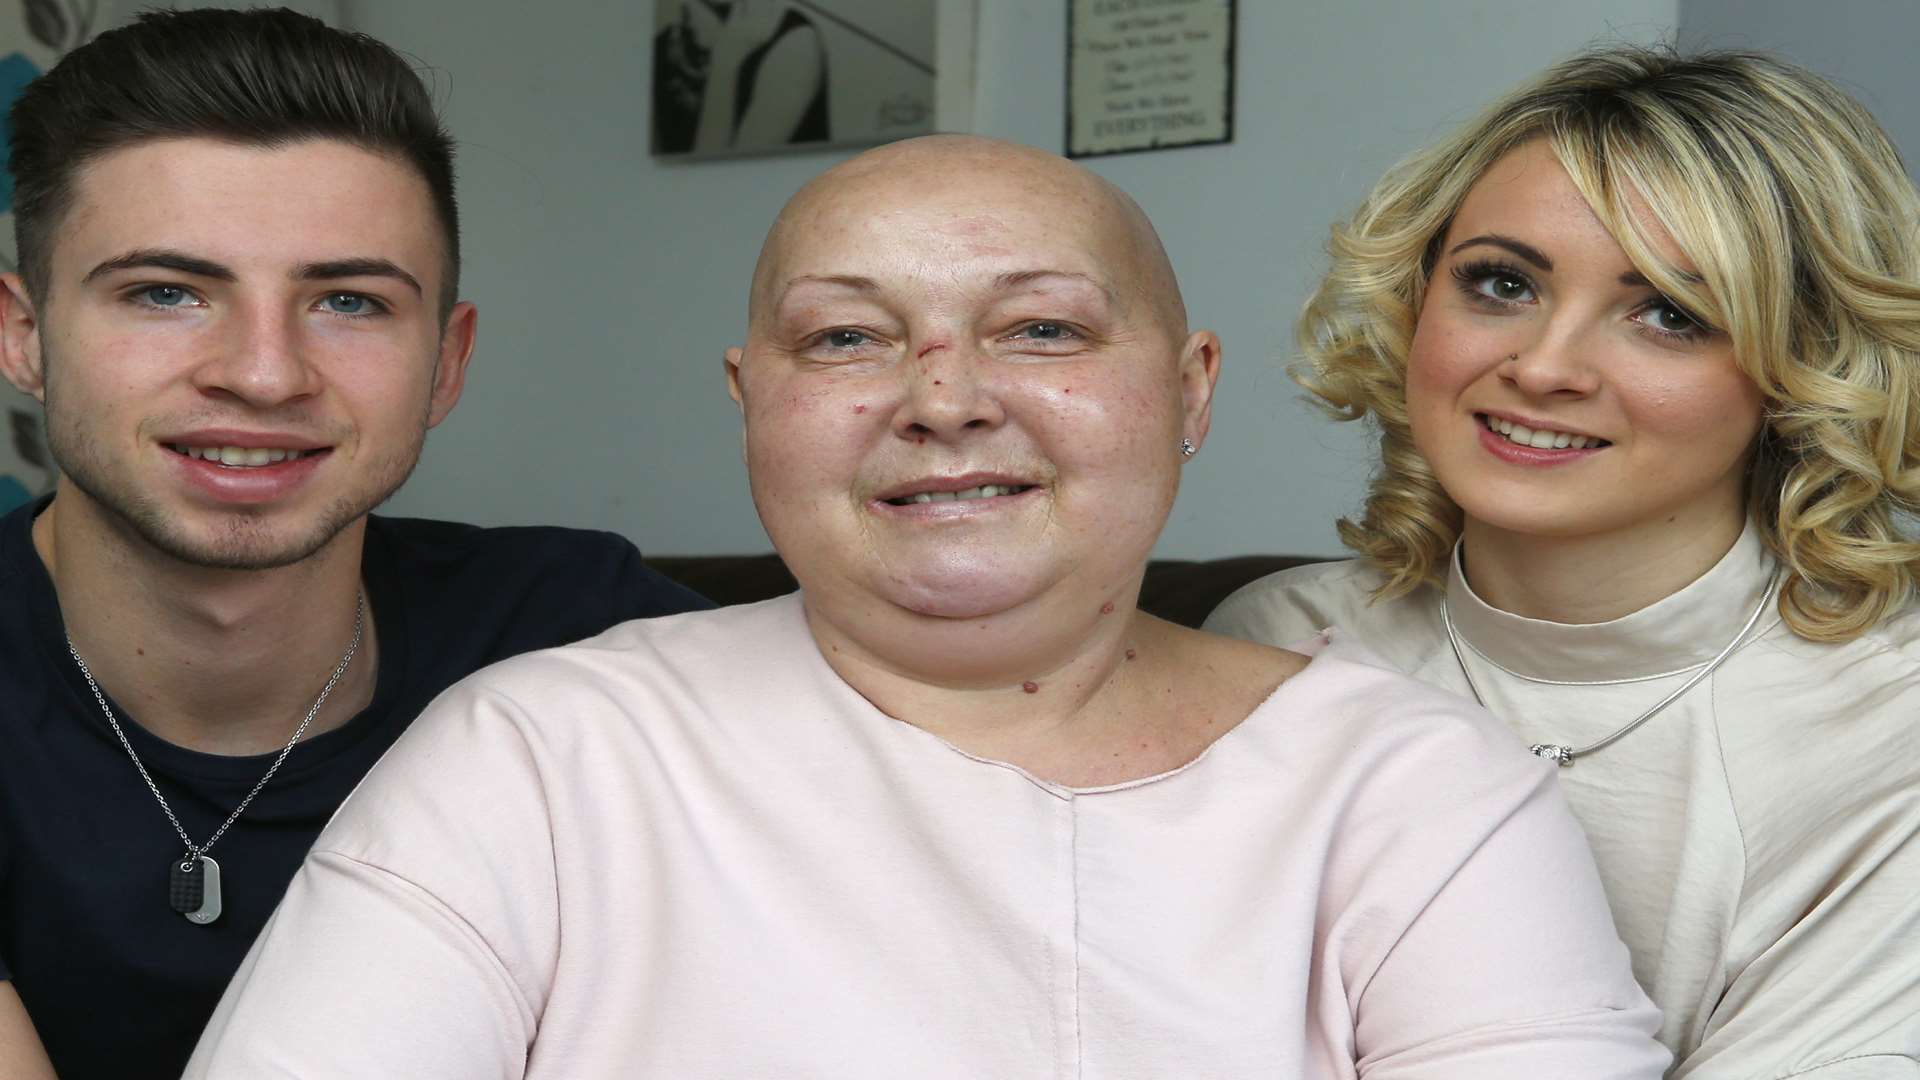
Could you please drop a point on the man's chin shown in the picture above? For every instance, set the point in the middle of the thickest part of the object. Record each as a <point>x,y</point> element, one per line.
<point>244,540</point>
<point>246,543</point>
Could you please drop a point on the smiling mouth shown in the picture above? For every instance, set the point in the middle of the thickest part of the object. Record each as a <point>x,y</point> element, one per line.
<point>984,491</point>
<point>1541,438</point>
<point>241,457</point>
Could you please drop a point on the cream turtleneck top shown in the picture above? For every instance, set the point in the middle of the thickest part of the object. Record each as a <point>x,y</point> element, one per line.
<point>1756,838</point>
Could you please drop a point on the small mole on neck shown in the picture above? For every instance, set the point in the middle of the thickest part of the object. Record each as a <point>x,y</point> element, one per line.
<point>1106,608</point>
<point>1030,686</point>
<point>1131,654</point>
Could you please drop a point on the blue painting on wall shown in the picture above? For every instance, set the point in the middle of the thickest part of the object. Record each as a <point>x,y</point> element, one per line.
<point>34,34</point>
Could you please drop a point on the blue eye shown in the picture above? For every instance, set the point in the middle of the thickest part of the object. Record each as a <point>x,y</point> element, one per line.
<point>844,339</point>
<point>346,303</point>
<point>1045,331</point>
<point>166,296</point>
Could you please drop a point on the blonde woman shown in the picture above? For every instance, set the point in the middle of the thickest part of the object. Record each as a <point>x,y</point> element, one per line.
<point>1641,346</point>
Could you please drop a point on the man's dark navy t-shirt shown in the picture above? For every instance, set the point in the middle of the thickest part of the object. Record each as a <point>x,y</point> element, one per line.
<point>117,983</point>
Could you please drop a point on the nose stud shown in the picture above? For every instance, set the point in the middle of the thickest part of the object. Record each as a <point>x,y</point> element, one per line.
<point>1513,357</point>
<point>1187,449</point>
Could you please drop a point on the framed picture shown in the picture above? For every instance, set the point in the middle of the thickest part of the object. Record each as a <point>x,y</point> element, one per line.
<point>737,77</point>
<point>1148,75</point>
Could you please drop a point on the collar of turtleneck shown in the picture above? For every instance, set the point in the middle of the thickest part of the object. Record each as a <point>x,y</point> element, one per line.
<point>1681,631</point>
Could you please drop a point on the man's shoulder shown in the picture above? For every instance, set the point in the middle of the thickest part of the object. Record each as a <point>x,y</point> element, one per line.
<point>429,541</point>
<point>468,596</point>
<point>527,557</point>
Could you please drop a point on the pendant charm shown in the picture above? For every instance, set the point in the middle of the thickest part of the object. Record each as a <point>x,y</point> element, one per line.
<point>193,888</point>
<point>1559,755</point>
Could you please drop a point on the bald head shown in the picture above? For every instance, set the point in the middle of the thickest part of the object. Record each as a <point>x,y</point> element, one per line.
<point>982,187</point>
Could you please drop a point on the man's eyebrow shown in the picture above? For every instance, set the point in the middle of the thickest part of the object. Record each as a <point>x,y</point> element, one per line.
<point>162,259</point>
<point>1525,250</point>
<point>350,268</point>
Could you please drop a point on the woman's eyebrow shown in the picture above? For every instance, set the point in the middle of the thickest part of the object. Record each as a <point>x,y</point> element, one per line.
<point>1015,278</point>
<point>1519,247</point>
<point>844,281</point>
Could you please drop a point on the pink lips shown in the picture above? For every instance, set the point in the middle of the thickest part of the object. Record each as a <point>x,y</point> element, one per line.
<point>249,485</point>
<point>1513,453</point>
<point>935,496</point>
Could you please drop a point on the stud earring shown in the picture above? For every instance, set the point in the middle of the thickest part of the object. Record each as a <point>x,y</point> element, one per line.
<point>1187,449</point>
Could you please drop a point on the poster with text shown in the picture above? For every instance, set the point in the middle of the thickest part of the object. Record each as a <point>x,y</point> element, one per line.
<point>1148,75</point>
<point>737,77</point>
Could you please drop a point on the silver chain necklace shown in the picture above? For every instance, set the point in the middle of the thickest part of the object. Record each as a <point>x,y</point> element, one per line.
<point>193,881</point>
<point>1565,755</point>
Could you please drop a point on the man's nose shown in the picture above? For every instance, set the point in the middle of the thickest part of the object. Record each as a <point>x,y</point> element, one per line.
<point>262,356</point>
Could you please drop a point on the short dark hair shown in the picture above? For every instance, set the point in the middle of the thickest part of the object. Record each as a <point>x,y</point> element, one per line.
<point>266,77</point>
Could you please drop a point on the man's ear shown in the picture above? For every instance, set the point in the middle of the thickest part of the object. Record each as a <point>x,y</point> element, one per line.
<point>20,339</point>
<point>1199,374</point>
<point>450,367</point>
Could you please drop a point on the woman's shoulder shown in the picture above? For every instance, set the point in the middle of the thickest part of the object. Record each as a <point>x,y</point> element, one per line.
<point>547,704</point>
<point>1338,712</point>
<point>693,646</point>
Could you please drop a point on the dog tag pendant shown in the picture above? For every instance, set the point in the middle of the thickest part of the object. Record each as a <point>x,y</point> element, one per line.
<point>193,888</point>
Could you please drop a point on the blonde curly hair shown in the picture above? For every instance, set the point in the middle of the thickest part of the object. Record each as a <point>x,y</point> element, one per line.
<point>1801,231</point>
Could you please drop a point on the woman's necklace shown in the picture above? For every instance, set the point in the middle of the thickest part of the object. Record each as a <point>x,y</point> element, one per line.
<point>1565,755</point>
<point>193,881</point>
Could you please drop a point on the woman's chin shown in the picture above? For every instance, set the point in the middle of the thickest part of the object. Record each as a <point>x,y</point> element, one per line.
<point>977,594</point>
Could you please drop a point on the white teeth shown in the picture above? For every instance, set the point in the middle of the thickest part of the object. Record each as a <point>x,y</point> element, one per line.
<point>238,457</point>
<point>984,491</point>
<point>1522,435</point>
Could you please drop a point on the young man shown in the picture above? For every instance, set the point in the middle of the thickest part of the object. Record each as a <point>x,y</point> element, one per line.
<point>239,257</point>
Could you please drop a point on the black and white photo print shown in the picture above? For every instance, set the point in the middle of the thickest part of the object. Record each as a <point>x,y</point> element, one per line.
<point>764,76</point>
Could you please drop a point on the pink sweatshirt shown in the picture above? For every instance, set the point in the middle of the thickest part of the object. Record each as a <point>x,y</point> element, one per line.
<point>687,849</point>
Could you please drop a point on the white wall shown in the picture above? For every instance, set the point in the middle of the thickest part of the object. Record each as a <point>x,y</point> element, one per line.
<point>1867,46</point>
<point>608,283</point>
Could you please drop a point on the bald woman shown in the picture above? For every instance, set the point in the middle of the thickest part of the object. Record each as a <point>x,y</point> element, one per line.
<point>957,808</point>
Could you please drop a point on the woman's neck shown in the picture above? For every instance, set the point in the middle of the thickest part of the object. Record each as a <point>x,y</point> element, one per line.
<point>1045,689</point>
<point>1592,579</point>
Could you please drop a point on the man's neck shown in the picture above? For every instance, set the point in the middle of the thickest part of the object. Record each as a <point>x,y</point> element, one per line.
<point>220,661</point>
